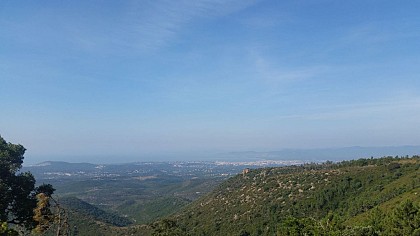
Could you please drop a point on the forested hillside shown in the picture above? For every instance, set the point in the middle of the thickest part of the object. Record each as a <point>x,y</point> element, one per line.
<point>84,208</point>
<point>360,197</point>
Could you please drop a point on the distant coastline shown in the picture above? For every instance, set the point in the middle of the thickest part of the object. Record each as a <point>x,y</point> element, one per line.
<point>287,155</point>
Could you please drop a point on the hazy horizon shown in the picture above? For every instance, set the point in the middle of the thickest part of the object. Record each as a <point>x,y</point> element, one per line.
<point>160,79</point>
<point>286,154</point>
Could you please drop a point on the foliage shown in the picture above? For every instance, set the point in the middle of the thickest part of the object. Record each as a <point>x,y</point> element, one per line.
<point>346,198</point>
<point>167,227</point>
<point>42,213</point>
<point>17,199</point>
<point>82,224</point>
<point>358,197</point>
<point>5,231</point>
<point>404,220</point>
<point>85,208</point>
<point>18,192</point>
<point>147,211</point>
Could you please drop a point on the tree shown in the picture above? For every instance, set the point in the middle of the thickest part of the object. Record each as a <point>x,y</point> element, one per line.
<point>167,227</point>
<point>5,231</point>
<point>17,190</point>
<point>405,219</point>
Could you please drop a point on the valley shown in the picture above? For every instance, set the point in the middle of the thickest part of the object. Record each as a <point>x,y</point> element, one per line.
<point>135,193</point>
<point>207,198</point>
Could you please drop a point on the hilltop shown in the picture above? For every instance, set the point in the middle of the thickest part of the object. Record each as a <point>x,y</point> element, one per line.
<point>349,196</point>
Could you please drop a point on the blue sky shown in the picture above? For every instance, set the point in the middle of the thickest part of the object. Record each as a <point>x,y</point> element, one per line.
<point>133,80</point>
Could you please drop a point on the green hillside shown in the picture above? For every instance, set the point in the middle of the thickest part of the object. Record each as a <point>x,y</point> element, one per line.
<point>144,212</point>
<point>76,205</point>
<point>361,197</point>
<point>86,219</point>
<point>82,224</point>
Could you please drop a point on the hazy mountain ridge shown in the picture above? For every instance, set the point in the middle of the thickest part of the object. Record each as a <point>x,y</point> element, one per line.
<point>324,154</point>
<point>285,154</point>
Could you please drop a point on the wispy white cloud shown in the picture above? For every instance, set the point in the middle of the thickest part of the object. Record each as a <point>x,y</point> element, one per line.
<point>92,28</point>
<point>155,24</point>
<point>276,73</point>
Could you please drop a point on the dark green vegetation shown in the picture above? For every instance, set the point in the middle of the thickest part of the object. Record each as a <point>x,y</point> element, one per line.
<point>362,197</point>
<point>86,219</point>
<point>18,194</point>
<point>140,192</point>
<point>155,209</point>
<point>102,203</point>
<point>85,208</point>
<point>100,199</point>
